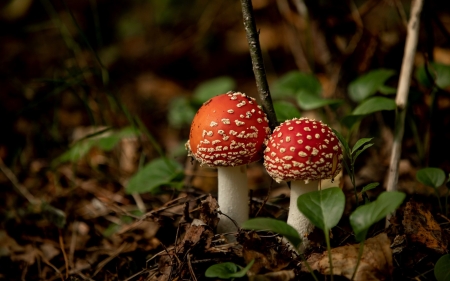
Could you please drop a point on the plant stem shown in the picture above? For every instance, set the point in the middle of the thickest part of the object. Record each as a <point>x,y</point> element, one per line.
<point>327,239</point>
<point>360,252</point>
<point>352,178</point>
<point>308,267</point>
<point>446,202</point>
<point>439,199</point>
<point>402,94</point>
<point>257,62</point>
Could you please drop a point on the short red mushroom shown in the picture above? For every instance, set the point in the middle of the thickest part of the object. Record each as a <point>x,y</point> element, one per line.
<point>229,132</point>
<point>303,151</point>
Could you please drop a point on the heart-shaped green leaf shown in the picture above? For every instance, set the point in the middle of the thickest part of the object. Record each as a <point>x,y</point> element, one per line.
<point>433,177</point>
<point>323,208</point>
<point>285,110</point>
<point>367,215</point>
<point>440,73</point>
<point>442,268</point>
<point>156,173</point>
<point>309,101</point>
<point>292,82</point>
<point>374,104</point>
<point>227,270</point>
<point>276,226</point>
<point>368,84</point>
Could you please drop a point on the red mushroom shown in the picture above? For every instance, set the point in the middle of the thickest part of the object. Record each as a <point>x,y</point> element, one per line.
<point>303,151</point>
<point>228,132</point>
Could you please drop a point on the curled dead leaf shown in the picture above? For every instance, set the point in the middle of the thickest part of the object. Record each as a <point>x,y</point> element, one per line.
<point>375,264</point>
<point>422,228</point>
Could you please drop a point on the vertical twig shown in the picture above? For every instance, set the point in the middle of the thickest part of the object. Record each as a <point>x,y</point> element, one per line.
<point>257,62</point>
<point>402,93</point>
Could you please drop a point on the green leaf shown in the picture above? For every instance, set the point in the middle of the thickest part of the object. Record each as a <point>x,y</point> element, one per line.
<point>221,270</point>
<point>323,208</point>
<point>365,216</point>
<point>244,270</point>
<point>106,140</point>
<point>359,143</point>
<point>293,82</point>
<point>181,112</point>
<point>368,84</point>
<point>157,172</point>
<point>75,153</point>
<point>276,226</point>
<point>360,151</point>
<point>285,110</point>
<point>370,186</point>
<point>442,268</point>
<point>439,72</point>
<point>212,88</point>
<point>373,105</point>
<point>308,101</point>
<point>433,177</point>
<point>227,270</point>
<point>386,90</point>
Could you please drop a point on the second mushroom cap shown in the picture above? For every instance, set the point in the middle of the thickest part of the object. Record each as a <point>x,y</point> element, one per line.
<point>303,149</point>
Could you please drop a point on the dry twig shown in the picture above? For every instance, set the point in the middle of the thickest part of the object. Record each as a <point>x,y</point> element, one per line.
<point>402,93</point>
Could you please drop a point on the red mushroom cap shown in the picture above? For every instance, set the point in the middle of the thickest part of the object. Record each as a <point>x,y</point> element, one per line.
<point>303,149</point>
<point>228,130</point>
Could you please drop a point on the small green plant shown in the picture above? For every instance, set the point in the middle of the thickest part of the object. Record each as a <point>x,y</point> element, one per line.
<point>434,177</point>
<point>296,90</point>
<point>324,209</point>
<point>105,140</point>
<point>158,172</point>
<point>442,268</point>
<point>227,270</point>
<point>350,156</point>
<point>367,215</point>
<point>366,188</point>
<point>362,91</point>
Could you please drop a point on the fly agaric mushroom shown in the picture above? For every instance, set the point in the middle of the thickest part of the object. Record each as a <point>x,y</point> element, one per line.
<point>228,132</point>
<point>303,151</point>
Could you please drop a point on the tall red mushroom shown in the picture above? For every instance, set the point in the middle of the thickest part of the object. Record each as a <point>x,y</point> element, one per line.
<point>228,132</point>
<point>303,151</point>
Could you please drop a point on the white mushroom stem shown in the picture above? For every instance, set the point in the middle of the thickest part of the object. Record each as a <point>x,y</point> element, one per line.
<point>295,218</point>
<point>233,197</point>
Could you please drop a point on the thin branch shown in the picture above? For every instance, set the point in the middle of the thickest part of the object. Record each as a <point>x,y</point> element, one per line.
<point>257,62</point>
<point>402,93</point>
<point>22,190</point>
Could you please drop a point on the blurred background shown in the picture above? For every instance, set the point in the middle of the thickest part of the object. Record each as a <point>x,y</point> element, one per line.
<point>77,70</point>
<point>64,62</point>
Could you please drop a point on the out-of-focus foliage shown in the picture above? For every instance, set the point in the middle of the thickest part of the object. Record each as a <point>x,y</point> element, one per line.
<point>182,109</point>
<point>158,172</point>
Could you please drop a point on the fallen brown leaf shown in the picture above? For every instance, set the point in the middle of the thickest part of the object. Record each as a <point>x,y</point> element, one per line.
<point>375,264</point>
<point>422,228</point>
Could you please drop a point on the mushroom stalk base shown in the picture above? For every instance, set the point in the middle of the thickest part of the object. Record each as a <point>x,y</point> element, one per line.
<point>232,197</point>
<point>295,218</point>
